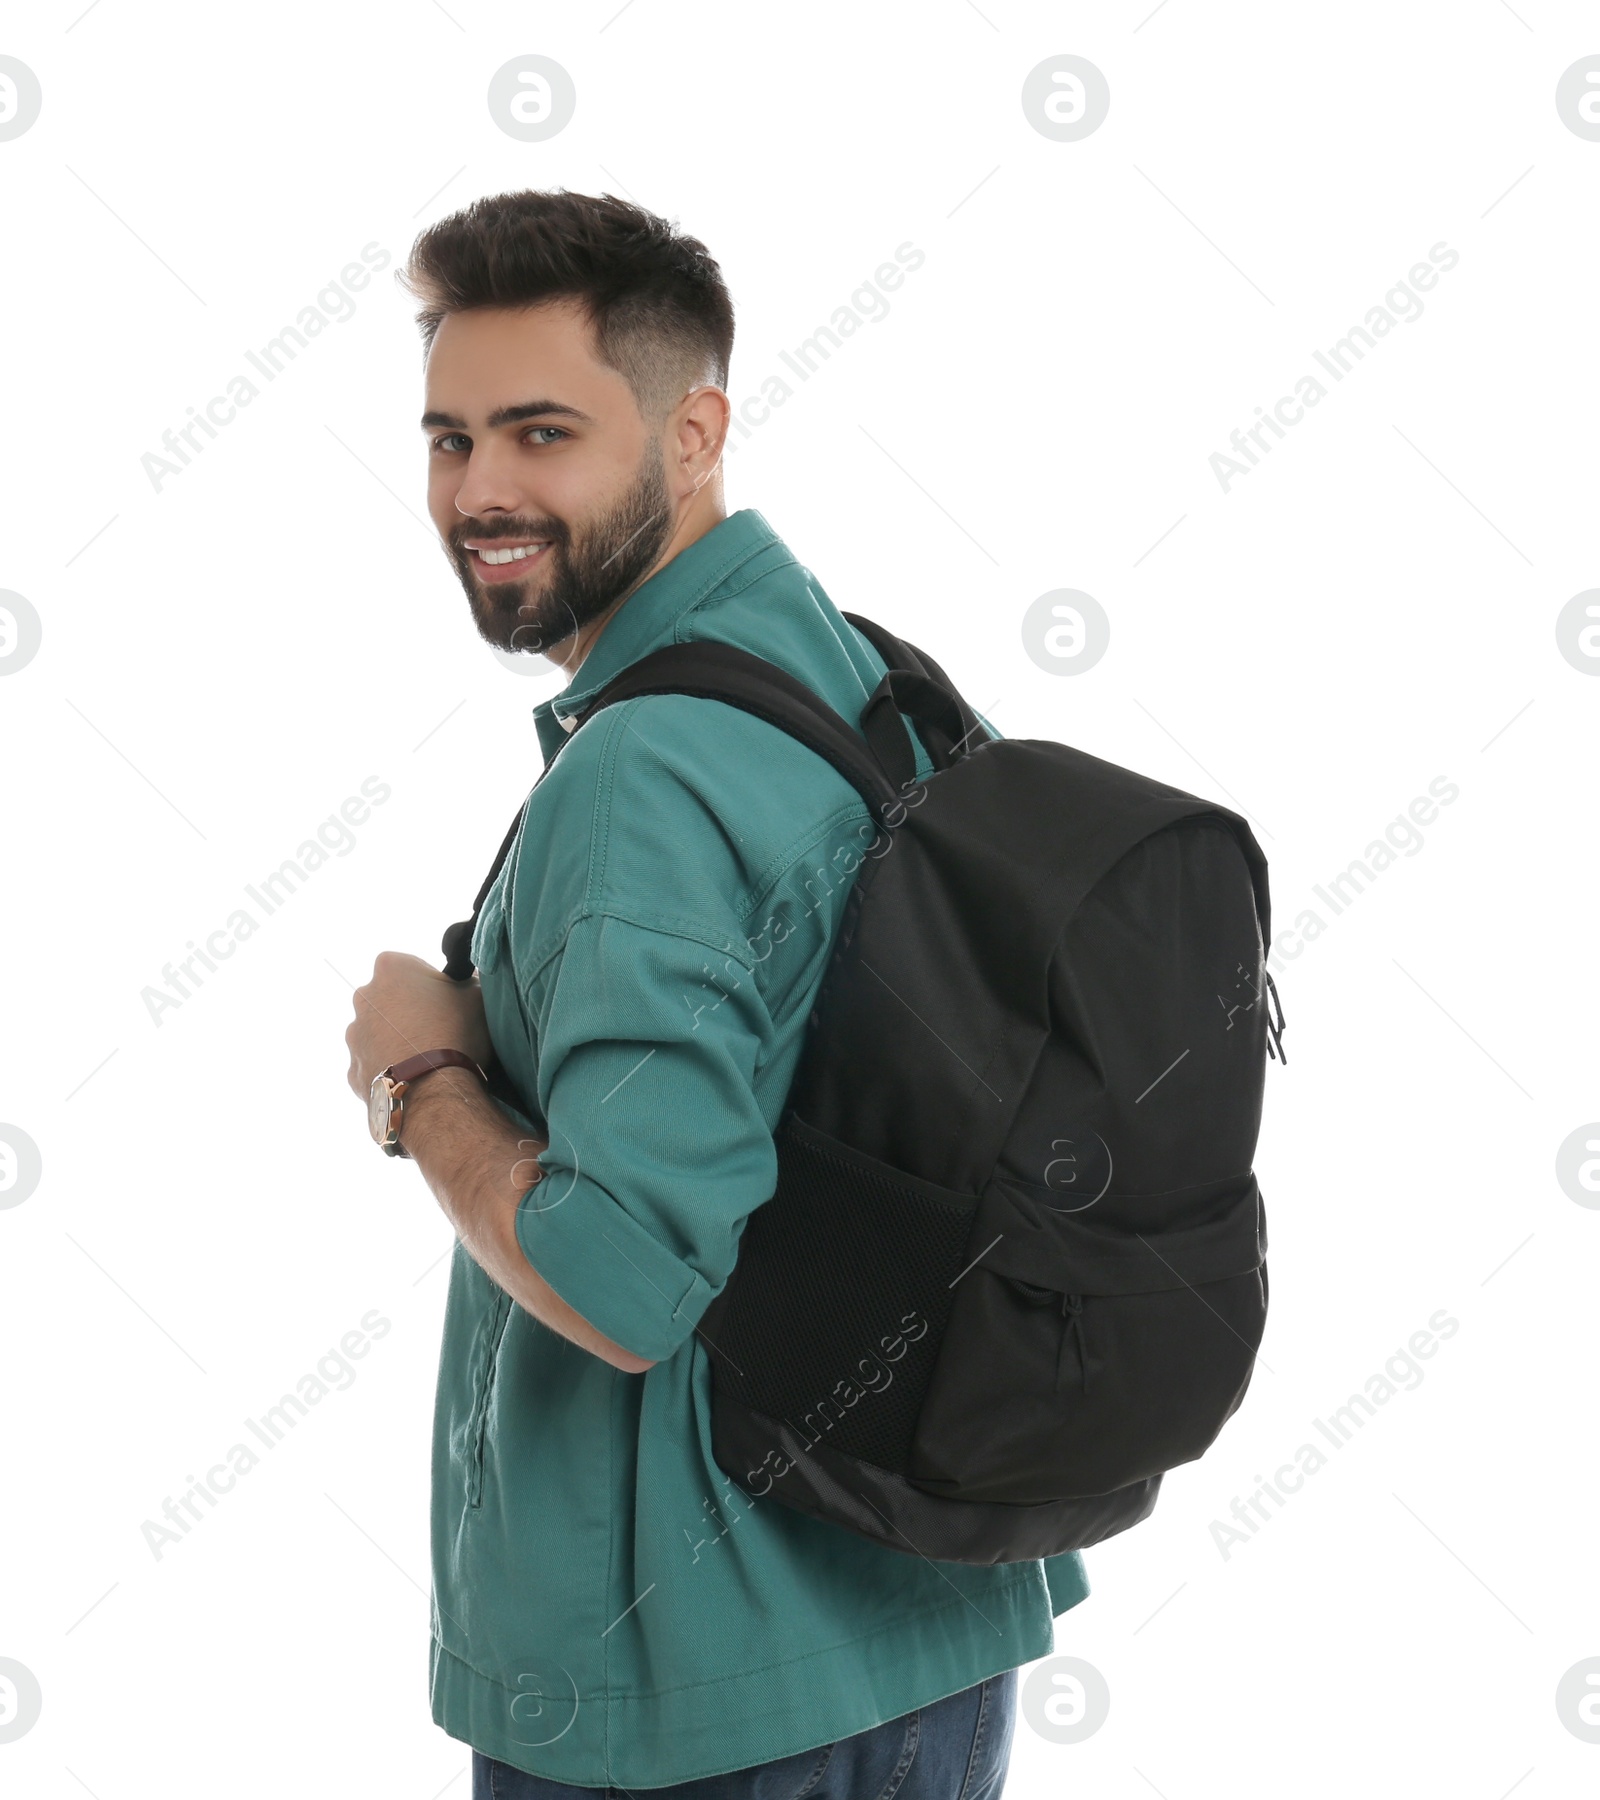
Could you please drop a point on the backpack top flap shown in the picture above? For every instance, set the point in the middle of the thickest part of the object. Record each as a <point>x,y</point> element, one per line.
<point>936,1006</point>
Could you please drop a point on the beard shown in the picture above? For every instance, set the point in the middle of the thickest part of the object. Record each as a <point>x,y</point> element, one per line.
<point>583,572</point>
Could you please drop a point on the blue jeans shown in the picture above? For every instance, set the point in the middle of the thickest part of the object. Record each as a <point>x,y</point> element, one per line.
<point>956,1749</point>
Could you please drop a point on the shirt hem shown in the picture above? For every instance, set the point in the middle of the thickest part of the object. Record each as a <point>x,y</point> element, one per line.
<point>784,1708</point>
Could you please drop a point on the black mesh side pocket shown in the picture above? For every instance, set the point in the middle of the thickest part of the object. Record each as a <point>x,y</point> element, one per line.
<point>833,1316</point>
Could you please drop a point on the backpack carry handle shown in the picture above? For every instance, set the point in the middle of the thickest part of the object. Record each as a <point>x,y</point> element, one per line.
<point>937,710</point>
<point>915,685</point>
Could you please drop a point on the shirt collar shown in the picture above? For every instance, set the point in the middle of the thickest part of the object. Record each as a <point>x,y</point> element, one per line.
<point>650,616</point>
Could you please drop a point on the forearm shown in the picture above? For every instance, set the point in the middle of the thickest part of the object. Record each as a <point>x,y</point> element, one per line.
<point>479,1166</point>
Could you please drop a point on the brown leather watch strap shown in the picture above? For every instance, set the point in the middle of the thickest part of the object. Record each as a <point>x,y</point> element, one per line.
<point>415,1066</point>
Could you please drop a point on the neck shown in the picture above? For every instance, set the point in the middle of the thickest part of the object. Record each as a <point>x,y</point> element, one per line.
<point>702,511</point>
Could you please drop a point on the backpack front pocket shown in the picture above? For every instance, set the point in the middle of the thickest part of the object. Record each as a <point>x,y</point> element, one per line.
<point>1083,1353</point>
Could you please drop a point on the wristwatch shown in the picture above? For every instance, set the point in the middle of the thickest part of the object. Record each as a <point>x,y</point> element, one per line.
<point>386,1101</point>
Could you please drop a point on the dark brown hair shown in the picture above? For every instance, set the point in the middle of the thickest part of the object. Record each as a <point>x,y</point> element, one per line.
<point>660,311</point>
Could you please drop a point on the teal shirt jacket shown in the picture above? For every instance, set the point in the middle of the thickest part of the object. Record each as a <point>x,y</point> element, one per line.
<point>609,1607</point>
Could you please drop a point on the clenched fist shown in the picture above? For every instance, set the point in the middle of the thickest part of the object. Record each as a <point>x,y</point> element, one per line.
<point>407,1007</point>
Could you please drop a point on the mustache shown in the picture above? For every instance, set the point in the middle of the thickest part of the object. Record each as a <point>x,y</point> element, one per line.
<point>550,530</point>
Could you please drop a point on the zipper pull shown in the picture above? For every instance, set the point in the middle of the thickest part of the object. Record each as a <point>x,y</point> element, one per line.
<point>1275,1031</point>
<point>1072,1310</point>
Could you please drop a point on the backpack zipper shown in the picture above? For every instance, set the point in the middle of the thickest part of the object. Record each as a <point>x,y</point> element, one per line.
<point>1072,1314</point>
<point>1072,1311</point>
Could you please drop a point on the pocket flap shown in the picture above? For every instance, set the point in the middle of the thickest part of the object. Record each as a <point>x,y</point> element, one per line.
<point>1122,1244</point>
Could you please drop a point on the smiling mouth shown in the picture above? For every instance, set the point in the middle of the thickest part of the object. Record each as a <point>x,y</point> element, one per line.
<point>505,562</point>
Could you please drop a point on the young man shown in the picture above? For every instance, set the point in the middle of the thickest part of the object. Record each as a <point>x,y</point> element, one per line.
<point>612,1612</point>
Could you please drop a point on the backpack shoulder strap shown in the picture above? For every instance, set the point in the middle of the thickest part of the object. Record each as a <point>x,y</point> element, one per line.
<point>713,671</point>
<point>716,671</point>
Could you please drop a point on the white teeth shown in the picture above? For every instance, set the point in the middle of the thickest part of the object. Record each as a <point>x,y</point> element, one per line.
<point>506,556</point>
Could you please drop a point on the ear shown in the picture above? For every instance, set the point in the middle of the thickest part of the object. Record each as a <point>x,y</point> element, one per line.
<point>700,432</point>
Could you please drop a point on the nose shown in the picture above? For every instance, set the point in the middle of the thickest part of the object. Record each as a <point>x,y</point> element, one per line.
<point>489,485</point>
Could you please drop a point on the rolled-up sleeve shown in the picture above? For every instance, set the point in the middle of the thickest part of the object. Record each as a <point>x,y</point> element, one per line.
<point>648,1047</point>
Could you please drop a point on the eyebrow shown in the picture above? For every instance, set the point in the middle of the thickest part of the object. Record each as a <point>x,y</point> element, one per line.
<point>509,415</point>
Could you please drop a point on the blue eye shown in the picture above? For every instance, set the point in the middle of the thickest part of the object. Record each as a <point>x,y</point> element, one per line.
<point>555,428</point>
<point>440,443</point>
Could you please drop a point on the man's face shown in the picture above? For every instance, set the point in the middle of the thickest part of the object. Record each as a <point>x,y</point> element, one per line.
<point>538,449</point>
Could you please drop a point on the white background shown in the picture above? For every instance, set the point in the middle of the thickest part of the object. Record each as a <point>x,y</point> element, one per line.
<point>1373,607</point>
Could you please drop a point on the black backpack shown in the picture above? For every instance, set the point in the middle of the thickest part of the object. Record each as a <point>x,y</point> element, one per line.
<point>1014,1266</point>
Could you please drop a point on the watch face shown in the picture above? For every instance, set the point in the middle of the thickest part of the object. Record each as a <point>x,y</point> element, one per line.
<point>380,1104</point>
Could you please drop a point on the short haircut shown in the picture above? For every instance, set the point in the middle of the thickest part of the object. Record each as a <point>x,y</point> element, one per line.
<point>654,297</point>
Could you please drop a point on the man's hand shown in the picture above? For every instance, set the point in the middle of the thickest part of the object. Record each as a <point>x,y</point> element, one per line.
<point>407,1007</point>
<point>477,1161</point>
